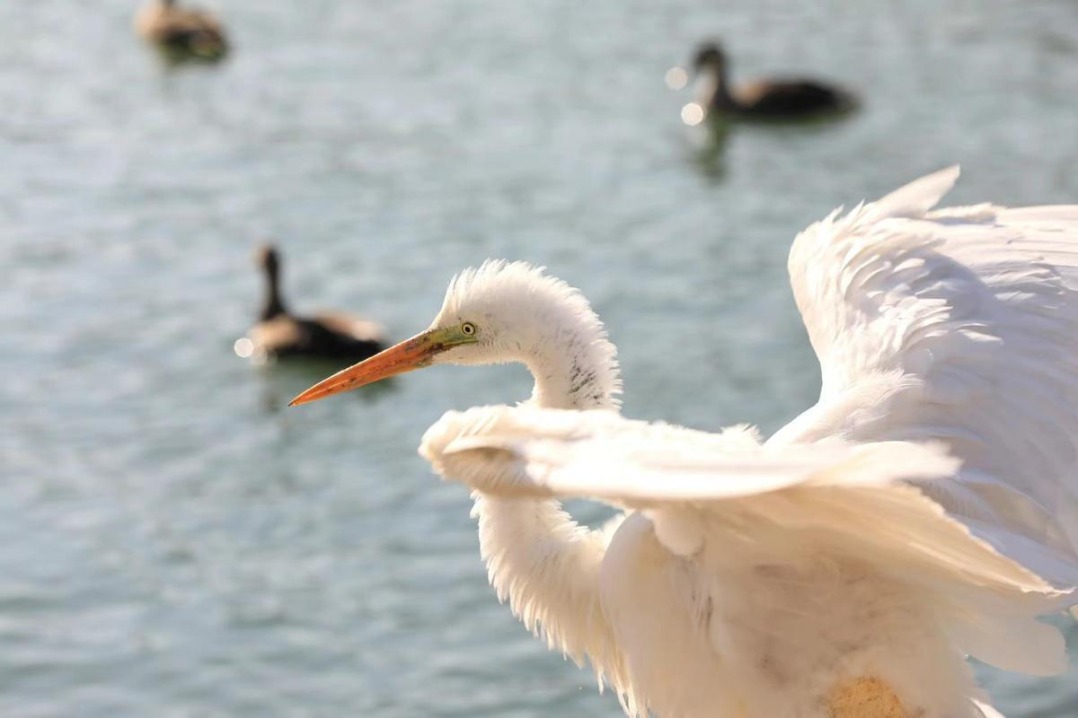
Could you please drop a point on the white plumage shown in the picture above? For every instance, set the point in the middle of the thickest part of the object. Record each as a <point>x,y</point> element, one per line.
<point>923,510</point>
<point>793,568</point>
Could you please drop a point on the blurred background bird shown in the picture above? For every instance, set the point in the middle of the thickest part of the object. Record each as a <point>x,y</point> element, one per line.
<point>327,335</point>
<point>778,98</point>
<point>181,32</point>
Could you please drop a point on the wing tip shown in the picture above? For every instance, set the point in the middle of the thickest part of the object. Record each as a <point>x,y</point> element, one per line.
<point>914,199</point>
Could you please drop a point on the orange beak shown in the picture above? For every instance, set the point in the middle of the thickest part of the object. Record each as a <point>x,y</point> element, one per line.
<point>414,353</point>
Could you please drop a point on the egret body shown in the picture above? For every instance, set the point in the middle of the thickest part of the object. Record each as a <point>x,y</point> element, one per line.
<point>922,511</point>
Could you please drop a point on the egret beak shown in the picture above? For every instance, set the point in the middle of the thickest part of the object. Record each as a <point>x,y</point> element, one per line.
<point>414,353</point>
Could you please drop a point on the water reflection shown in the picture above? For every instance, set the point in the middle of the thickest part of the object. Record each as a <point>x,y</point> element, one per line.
<point>712,135</point>
<point>710,146</point>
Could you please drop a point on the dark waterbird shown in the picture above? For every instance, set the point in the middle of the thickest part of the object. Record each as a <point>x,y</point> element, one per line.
<point>777,98</point>
<point>328,335</point>
<point>182,33</point>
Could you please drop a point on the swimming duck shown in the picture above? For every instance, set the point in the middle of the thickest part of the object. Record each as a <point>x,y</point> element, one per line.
<point>279,333</point>
<point>782,98</point>
<point>181,32</point>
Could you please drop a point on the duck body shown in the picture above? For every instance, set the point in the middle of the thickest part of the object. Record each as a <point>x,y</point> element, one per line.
<point>784,98</point>
<point>776,99</point>
<point>329,335</point>
<point>182,32</point>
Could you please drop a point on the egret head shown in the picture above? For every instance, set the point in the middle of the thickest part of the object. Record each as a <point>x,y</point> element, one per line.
<point>499,312</point>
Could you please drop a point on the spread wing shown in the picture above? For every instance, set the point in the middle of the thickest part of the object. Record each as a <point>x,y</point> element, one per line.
<point>957,326</point>
<point>827,498</point>
<point>533,452</point>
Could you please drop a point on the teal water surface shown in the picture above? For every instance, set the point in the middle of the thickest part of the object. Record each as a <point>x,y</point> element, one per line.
<point>174,542</point>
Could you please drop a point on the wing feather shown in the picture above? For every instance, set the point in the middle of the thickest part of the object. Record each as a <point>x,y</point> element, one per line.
<point>600,455</point>
<point>964,323</point>
<point>783,502</point>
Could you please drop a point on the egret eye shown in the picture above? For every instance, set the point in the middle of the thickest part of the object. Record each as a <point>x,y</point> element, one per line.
<point>467,329</point>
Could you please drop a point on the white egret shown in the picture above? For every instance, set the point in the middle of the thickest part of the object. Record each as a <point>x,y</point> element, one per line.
<point>923,510</point>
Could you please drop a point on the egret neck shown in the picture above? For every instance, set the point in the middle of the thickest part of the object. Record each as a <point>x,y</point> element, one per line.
<point>569,372</point>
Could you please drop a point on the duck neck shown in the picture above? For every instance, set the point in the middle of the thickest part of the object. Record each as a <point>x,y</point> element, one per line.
<point>714,89</point>
<point>272,306</point>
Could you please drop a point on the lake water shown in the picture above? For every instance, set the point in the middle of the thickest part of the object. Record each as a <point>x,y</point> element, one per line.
<point>173,542</point>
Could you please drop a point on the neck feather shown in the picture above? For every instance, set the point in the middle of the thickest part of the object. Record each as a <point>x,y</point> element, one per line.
<point>575,366</point>
<point>537,557</point>
<point>577,372</point>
